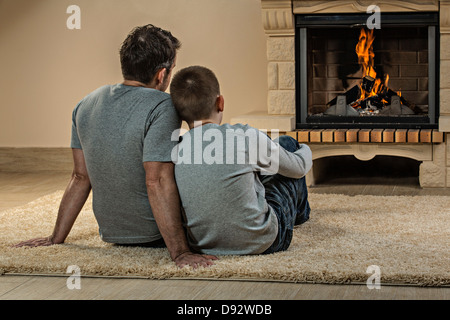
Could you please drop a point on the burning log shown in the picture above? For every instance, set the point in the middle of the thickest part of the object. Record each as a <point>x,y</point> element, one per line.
<point>367,84</point>
<point>386,102</point>
<point>373,102</point>
<point>351,96</point>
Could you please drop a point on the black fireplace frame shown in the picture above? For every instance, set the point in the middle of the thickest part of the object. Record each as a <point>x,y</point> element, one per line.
<point>305,121</point>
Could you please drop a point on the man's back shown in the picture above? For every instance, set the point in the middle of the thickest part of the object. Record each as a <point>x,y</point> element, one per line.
<point>118,128</point>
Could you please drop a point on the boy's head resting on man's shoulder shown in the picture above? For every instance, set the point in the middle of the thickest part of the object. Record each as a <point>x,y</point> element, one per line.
<point>196,95</point>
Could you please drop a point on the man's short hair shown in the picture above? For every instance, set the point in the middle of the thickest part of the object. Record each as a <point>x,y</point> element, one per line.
<point>146,50</point>
<point>194,92</point>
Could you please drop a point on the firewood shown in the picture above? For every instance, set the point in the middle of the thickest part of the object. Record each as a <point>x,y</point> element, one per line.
<point>351,96</point>
<point>367,84</point>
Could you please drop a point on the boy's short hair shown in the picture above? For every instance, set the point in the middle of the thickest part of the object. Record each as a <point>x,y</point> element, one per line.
<point>194,92</point>
<point>146,50</point>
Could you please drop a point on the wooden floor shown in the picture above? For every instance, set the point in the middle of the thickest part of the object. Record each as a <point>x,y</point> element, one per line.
<point>18,188</point>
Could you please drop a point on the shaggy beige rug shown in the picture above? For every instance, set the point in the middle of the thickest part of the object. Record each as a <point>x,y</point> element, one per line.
<point>406,237</point>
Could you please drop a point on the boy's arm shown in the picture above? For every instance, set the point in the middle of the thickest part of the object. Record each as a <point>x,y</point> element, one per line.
<point>289,164</point>
<point>295,164</point>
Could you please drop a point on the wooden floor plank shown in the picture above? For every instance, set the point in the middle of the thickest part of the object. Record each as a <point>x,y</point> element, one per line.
<point>11,283</point>
<point>36,288</point>
<point>55,288</point>
<point>245,290</point>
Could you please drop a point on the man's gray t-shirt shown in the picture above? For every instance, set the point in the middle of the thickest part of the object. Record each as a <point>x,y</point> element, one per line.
<point>223,199</point>
<point>118,128</point>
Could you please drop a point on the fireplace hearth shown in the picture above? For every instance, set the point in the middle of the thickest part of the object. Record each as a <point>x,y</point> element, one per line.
<point>350,76</point>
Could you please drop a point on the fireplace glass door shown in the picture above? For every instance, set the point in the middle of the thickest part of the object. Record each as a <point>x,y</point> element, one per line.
<point>350,76</point>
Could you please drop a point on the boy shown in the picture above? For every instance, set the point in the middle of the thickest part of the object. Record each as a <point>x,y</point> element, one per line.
<point>236,198</point>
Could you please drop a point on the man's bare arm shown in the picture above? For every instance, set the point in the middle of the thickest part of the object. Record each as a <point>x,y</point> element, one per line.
<point>165,202</point>
<point>71,204</point>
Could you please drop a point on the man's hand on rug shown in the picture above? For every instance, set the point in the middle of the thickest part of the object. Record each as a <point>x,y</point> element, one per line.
<point>38,242</point>
<point>194,260</point>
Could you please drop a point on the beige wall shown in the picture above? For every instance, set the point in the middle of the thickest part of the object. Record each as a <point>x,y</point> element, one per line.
<point>46,68</point>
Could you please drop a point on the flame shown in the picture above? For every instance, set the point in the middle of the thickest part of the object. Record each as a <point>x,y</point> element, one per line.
<point>364,50</point>
<point>376,87</point>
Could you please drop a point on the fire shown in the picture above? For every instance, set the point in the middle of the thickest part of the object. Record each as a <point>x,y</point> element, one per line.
<point>372,96</point>
<point>386,80</point>
<point>364,50</point>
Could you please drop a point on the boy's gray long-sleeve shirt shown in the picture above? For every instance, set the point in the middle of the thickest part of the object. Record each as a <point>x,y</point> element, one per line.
<point>222,197</point>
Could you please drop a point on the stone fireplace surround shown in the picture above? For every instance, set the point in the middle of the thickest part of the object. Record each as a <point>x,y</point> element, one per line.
<point>278,23</point>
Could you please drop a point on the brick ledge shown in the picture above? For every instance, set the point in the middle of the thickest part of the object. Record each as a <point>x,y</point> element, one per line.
<point>367,136</point>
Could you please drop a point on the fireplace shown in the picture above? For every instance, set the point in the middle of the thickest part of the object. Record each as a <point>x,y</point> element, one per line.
<point>319,92</point>
<point>352,76</point>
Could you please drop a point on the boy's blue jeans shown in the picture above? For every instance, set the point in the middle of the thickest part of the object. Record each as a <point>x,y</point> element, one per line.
<point>288,198</point>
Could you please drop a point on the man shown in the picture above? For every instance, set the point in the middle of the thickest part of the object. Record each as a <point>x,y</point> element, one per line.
<point>241,192</point>
<point>122,150</point>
